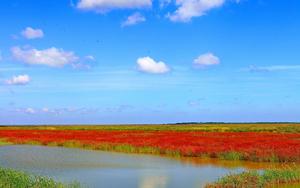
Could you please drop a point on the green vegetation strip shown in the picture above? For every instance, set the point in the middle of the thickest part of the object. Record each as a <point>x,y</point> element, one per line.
<point>256,179</point>
<point>15,179</point>
<point>123,148</point>
<point>4,142</point>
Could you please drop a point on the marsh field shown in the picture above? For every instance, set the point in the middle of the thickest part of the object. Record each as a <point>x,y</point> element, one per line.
<point>192,155</point>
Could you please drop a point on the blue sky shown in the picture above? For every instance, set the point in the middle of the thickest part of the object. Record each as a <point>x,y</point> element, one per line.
<point>149,61</point>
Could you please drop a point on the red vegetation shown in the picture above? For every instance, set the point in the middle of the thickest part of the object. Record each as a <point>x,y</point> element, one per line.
<point>246,145</point>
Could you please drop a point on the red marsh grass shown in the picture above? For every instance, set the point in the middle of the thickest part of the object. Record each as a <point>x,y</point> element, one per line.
<point>251,142</point>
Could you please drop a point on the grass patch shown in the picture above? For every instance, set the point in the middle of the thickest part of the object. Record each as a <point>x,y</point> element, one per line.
<point>33,142</point>
<point>15,179</point>
<point>124,148</point>
<point>256,179</point>
<point>231,156</point>
<point>127,148</point>
<point>3,142</point>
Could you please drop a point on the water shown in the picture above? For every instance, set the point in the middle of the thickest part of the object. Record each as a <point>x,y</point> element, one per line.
<point>110,169</point>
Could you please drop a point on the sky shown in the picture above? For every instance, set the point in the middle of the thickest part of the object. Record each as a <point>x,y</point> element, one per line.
<point>149,61</point>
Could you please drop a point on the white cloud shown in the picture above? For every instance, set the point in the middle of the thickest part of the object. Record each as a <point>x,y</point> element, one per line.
<point>106,5</point>
<point>163,3</point>
<point>52,57</point>
<point>19,80</point>
<point>81,66</point>
<point>26,110</point>
<point>195,103</point>
<point>29,111</point>
<point>31,33</point>
<point>272,68</point>
<point>206,59</point>
<point>58,111</point>
<point>133,19</point>
<point>90,58</point>
<point>85,63</point>
<point>148,65</point>
<point>193,8</point>
<point>45,110</point>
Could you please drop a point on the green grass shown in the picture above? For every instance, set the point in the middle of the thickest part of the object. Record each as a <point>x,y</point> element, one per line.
<point>3,142</point>
<point>256,179</point>
<point>234,156</point>
<point>124,148</point>
<point>15,179</point>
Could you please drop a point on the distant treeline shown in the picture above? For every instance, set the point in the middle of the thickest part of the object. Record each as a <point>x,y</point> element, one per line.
<point>184,123</point>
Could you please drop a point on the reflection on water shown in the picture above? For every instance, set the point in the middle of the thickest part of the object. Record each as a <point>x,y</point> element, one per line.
<point>228,163</point>
<point>114,170</point>
<point>152,181</point>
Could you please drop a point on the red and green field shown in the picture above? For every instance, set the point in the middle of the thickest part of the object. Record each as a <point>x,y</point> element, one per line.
<point>252,142</point>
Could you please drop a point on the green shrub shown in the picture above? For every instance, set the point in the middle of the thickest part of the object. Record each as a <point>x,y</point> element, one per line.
<point>257,179</point>
<point>15,179</point>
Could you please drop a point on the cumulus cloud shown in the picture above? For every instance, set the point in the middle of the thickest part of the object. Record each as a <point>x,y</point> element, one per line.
<point>31,33</point>
<point>106,5</point>
<point>184,12</point>
<point>207,59</point>
<point>148,65</point>
<point>187,9</point>
<point>52,57</point>
<point>133,19</point>
<point>18,80</point>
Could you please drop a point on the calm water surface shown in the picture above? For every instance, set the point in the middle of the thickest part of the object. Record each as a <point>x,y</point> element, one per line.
<point>110,169</point>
